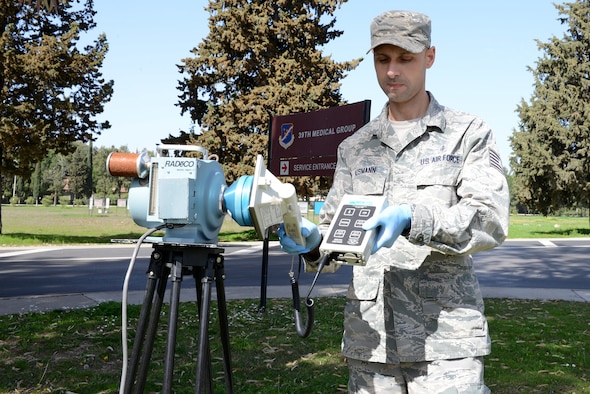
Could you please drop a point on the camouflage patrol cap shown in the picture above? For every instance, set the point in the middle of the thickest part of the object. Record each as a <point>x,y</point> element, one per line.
<point>405,29</point>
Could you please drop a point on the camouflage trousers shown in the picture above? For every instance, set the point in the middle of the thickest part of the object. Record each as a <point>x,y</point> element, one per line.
<point>463,376</point>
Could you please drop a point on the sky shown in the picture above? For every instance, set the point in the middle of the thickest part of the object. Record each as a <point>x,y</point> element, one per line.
<point>483,51</point>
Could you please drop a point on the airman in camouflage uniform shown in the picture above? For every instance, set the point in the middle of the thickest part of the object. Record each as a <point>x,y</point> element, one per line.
<point>420,299</point>
<point>414,318</point>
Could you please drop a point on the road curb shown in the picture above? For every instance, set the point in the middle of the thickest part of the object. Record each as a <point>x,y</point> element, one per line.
<point>20,305</point>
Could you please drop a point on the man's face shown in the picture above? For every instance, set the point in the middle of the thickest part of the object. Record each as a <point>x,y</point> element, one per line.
<point>402,74</point>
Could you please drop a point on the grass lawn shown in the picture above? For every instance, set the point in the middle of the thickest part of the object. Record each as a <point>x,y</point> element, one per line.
<point>533,226</point>
<point>538,346</point>
<point>37,225</point>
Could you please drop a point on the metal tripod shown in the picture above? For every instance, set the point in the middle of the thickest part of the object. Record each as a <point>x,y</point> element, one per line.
<point>172,261</point>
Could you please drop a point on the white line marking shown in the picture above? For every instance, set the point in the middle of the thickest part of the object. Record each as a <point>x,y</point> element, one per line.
<point>547,243</point>
<point>247,250</point>
<point>28,251</point>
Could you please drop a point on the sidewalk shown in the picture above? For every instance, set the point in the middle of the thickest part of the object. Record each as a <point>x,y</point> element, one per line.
<point>84,300</point>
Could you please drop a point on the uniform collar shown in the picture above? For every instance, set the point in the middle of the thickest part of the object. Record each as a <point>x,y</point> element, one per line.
<point>432,121</point>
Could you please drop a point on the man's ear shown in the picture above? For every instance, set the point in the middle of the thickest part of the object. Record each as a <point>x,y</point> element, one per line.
<point>430,56</point>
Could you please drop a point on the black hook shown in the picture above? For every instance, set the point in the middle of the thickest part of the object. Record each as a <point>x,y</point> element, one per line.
<point>304,331</point>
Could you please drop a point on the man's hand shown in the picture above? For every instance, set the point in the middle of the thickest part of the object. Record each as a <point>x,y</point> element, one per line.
<point>309,231</point>
<point>389,224</point>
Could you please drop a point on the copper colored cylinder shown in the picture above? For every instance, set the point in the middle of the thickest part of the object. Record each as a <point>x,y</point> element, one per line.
<point>127,164</point>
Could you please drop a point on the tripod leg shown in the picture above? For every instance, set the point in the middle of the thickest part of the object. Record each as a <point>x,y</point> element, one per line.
<point>154,276</point>
<point>223,323</point>
<point>152,328</point>
<point>176,277</point>
<point>203,359</point>
<point>140,332</point>
<point>199,275</point>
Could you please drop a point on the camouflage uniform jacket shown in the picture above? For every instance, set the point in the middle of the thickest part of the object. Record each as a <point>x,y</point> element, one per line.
<point>420,299</point>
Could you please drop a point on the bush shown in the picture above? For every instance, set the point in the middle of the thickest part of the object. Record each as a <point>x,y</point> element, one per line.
<point>30,200</point>
<point>47,201</point>
<point>14,200</point>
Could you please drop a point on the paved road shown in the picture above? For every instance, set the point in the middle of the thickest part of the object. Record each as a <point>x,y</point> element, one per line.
<point>30,272</point>
<point>520,268</point>
<point>545,264</point>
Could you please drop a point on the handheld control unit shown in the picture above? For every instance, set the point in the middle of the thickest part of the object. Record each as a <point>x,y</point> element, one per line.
<point>346,242</point>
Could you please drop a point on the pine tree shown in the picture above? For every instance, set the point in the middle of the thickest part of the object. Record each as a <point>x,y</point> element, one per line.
<point>77,172</point>
<point>260,59</point>
<point>50,88</point>
<point>551,159</point>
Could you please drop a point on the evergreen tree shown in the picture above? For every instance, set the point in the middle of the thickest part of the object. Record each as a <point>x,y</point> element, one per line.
<point>551,158</point>
<point>36,183</point>
<point>49,5</point>
<point>77,171</point>
<point>55,175</point>
<point>183,139</point>
<point>50,88</point>
<point>260,59</point>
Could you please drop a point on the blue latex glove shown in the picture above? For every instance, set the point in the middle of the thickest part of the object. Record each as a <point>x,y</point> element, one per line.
<point>390,223</point>
<point>309,231</point>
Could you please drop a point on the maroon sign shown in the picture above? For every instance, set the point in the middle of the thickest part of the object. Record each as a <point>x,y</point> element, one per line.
<point>305,144</point>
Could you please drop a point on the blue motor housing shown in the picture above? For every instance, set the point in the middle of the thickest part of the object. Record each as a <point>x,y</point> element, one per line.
<point>237,200</point>
<point>184,193</point>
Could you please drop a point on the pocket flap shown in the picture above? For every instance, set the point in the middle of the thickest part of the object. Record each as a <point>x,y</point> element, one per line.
<point>364,288</point>
<point>370,180</point>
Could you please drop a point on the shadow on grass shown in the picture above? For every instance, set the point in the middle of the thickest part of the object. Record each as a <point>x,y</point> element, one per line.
<point>247,235</point>
<point>563,232</point>
<point>36,239</point>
